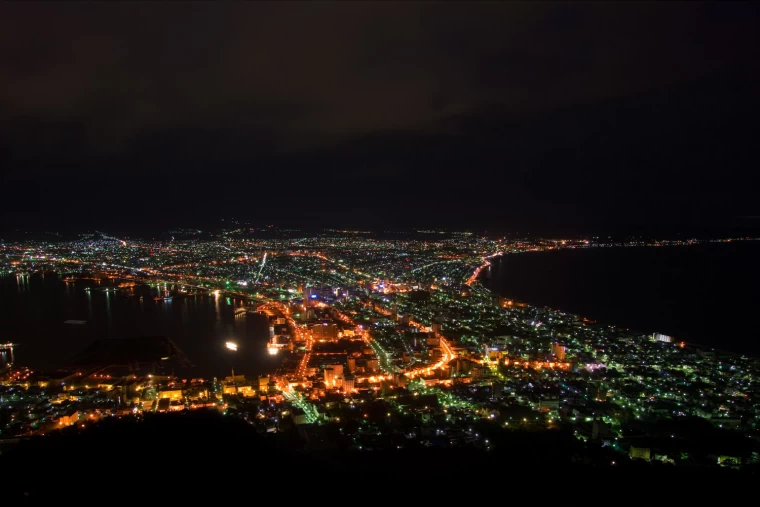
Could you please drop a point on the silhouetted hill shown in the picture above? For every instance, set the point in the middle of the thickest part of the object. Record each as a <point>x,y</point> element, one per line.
<point>207,455</point>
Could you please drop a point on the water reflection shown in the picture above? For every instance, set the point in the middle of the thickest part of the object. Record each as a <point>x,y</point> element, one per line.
<point>199,324</point>
<point>108,310</point>
<point>89,304</point>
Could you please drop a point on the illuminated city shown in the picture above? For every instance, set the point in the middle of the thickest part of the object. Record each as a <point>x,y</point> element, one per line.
<point>375,251</point>
<point>397,336</point>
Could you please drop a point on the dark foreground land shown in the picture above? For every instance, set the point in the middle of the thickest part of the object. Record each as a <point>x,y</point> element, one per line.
<point>201,456</point>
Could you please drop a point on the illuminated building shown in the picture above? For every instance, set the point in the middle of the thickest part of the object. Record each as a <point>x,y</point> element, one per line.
<point>70,418</point>
<point>558,350</point>
<point>658,337</point>
<point>329,373</point>
<point>313,294</point>
<point>325,331</point>
<point>245,390</point>
<point>349,383</point>
<point>279,341</point>
<point>172,394</point>
<point>464,366</point>
<point>351,363</point>
<point>479,371</point>
<point>640,452</point>
<point>547,402</point>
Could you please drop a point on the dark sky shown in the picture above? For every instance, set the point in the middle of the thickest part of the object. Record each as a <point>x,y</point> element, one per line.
<point>541,116</point>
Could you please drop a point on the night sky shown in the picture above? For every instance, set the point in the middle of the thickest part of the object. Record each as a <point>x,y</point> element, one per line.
<point>545,117</point>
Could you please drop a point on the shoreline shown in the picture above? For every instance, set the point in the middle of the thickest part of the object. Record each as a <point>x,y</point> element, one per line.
<point>477,277</point>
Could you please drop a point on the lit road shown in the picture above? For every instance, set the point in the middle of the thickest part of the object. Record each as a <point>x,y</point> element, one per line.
<point>312,414</point>
<point>486,262</point>
<point>448,355</point>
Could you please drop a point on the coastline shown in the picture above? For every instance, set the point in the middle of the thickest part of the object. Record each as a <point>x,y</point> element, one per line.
<point>493,261</point>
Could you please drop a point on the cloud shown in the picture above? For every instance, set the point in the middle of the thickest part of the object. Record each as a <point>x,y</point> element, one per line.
<point>533,106</point>
<point>319,72</point>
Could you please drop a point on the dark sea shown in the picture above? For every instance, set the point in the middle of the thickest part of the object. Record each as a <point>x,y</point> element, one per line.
<point>706,294</point>
<point>33,311</point>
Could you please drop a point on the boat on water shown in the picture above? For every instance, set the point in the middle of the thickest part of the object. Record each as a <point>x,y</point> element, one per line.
<point>76,322</point>
<point>167,298</point>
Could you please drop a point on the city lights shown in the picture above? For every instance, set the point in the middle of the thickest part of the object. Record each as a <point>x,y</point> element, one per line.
<point>356,321</point>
